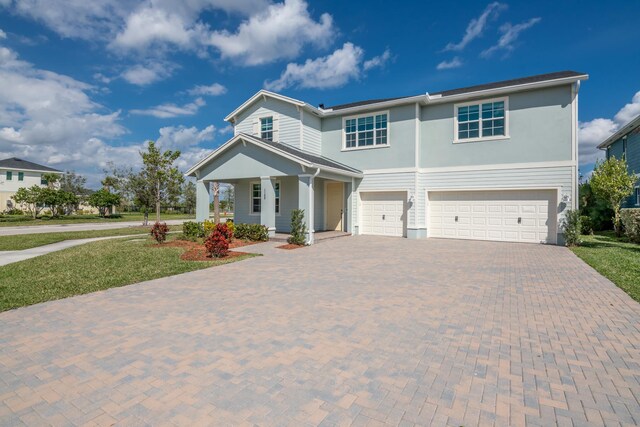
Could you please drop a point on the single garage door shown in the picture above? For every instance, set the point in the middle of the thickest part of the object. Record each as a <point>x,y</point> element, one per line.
<point>509,216</point>
<point>383,214</point>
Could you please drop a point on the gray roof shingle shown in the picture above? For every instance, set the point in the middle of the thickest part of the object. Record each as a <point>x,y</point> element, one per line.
<point>470,89</point>
<point>15,163</point>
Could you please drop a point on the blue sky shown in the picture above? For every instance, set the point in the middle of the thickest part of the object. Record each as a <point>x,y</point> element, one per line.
<point>83,83</point>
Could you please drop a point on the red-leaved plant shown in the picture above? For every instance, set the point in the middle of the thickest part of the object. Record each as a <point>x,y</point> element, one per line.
<point>159,231</point>
<point>217,244</point>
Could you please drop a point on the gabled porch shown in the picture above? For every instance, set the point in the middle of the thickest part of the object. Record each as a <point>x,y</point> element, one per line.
<point>272,179</point>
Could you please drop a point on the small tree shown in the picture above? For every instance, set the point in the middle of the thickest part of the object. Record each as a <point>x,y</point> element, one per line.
<point>611,181</point>
<point>57,200</point>
<point>160,174</point>
<point>216,202</point>
<point>103,200</point>
<point>29,197</point>
<point>189,196</point>
<point>298,228</point>
<point>51,179</point>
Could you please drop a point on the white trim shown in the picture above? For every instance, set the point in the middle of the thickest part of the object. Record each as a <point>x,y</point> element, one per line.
<point>636,193</point>
<point>28,170</point>
<point>479,103</point>
<point>301,128</point>
<point>376,106</point>
<point>626,129</point>
<point>366,147</point>
<point>326,183</point>
<point>264,94</point>
<point>390,170</point>
<point>574,144</point>
<point>503,166</point>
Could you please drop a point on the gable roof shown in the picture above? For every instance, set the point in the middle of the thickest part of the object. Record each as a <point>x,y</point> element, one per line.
<point>469,90</point>
<point>264,94</point>
<point>300,156</point>
<point>629,127</point>
<point>19,164</point>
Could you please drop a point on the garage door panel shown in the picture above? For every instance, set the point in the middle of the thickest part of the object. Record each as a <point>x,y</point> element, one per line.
<point>505,215</point>
<point>383,213</point>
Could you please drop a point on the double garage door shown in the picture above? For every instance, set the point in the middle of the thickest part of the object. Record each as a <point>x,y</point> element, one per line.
<point>383,213</point>
<point>509,215</point>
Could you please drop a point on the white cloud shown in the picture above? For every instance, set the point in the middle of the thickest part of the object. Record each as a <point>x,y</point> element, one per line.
<point>225,130</point>
<point>279,32</point>
<point>169,110</point>
<point>447,65</point>
<point>594,132</point>
<point>3,35</point>
<point>187,140</point>
<point>214,89</point>
<point>476,26</point>
<point>333,70</point>
<point>377,61</point>
<point>152,72</point>
<point>510,34</point>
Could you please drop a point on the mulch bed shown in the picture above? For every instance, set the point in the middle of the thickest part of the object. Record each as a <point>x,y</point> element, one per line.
<point>196,251</point>
<point>289,246</point>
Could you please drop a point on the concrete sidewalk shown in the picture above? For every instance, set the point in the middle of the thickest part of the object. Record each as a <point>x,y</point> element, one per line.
<point>60,228</point>
<point>9,257</point>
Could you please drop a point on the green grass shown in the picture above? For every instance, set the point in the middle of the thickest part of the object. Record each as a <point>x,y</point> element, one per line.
<point>92,267</point>
<point>20,220</point>
<point>27,241</point>
<point>615,258</point>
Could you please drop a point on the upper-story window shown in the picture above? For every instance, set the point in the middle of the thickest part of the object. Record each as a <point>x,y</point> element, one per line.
<point>9,175</point>
<point>43,181</point>
<point>20,176</point>
<point>366,131</point>
<point>637,196</point>
<point>476,121</point>
<point>266,128</point>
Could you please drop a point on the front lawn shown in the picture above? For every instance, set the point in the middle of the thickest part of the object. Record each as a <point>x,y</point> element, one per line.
<point>27,241</point>
<point>92,267</point>
<point>20,220</point>
<point>614,258</point>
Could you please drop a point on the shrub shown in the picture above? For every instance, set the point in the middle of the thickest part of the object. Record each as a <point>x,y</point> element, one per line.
<point>298,228</point>
<point>231,226</point>
<point>159,231</point>
<point>209,226</point>
<point>571,227</point>
<point>253,232</point>
<point>217,244</point>
<point>631,222</point>
<point>586,225</point>
<point>192,230</point>
<point>225,231</point>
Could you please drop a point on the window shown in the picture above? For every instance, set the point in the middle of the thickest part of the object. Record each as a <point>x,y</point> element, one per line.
<point>43,181</point>
<point>366,131</point>
<point>481,121</point>
<point>20,176</point>
<point>9,175</point>
<point>256,197</point>
<point>266,128</point>
<point>624,146</point>
<point>637,196</point>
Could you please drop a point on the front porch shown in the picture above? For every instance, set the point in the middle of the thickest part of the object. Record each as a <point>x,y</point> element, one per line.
<point>271,180</point>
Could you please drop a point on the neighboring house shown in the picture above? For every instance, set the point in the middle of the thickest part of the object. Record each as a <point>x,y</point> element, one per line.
<point>16,173</point>
<point>626,144</point>
<point>489,162</point>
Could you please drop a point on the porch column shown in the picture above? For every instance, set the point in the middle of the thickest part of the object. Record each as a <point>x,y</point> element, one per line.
<point>268,204</point>
<point>202,200</point>
<point>306,203</point>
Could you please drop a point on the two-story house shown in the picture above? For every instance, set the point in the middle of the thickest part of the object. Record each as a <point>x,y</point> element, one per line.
<point>490,162</point>
<point>16,173</point>
<point>625,143</point>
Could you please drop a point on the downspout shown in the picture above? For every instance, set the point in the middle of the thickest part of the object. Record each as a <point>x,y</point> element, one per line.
<point>312,201</point>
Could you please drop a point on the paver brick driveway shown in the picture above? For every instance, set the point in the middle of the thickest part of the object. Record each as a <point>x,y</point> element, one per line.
<point>356,331</point>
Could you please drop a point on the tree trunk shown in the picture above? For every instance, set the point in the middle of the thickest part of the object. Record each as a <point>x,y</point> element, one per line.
<point>216,202</point>
<point>146,217</point>
<point>616,221</point>
<point>158,202</point>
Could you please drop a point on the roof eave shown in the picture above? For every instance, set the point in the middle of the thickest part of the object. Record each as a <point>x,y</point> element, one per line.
<point>377,105</point>
<point>263,93</point>
<point>623,131</point>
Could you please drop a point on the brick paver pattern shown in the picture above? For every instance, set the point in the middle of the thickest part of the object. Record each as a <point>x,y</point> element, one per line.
<point>354,331</point>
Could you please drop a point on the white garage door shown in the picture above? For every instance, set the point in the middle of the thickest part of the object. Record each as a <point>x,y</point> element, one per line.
<point>383,214</point>
<point>510,216</point>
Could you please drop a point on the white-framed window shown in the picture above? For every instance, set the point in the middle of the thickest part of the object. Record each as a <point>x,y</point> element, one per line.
<point>481,120</point>
<point>366,131</point>
<point>266,128</point>
<point>637,194</point>
<point>256,197</point>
